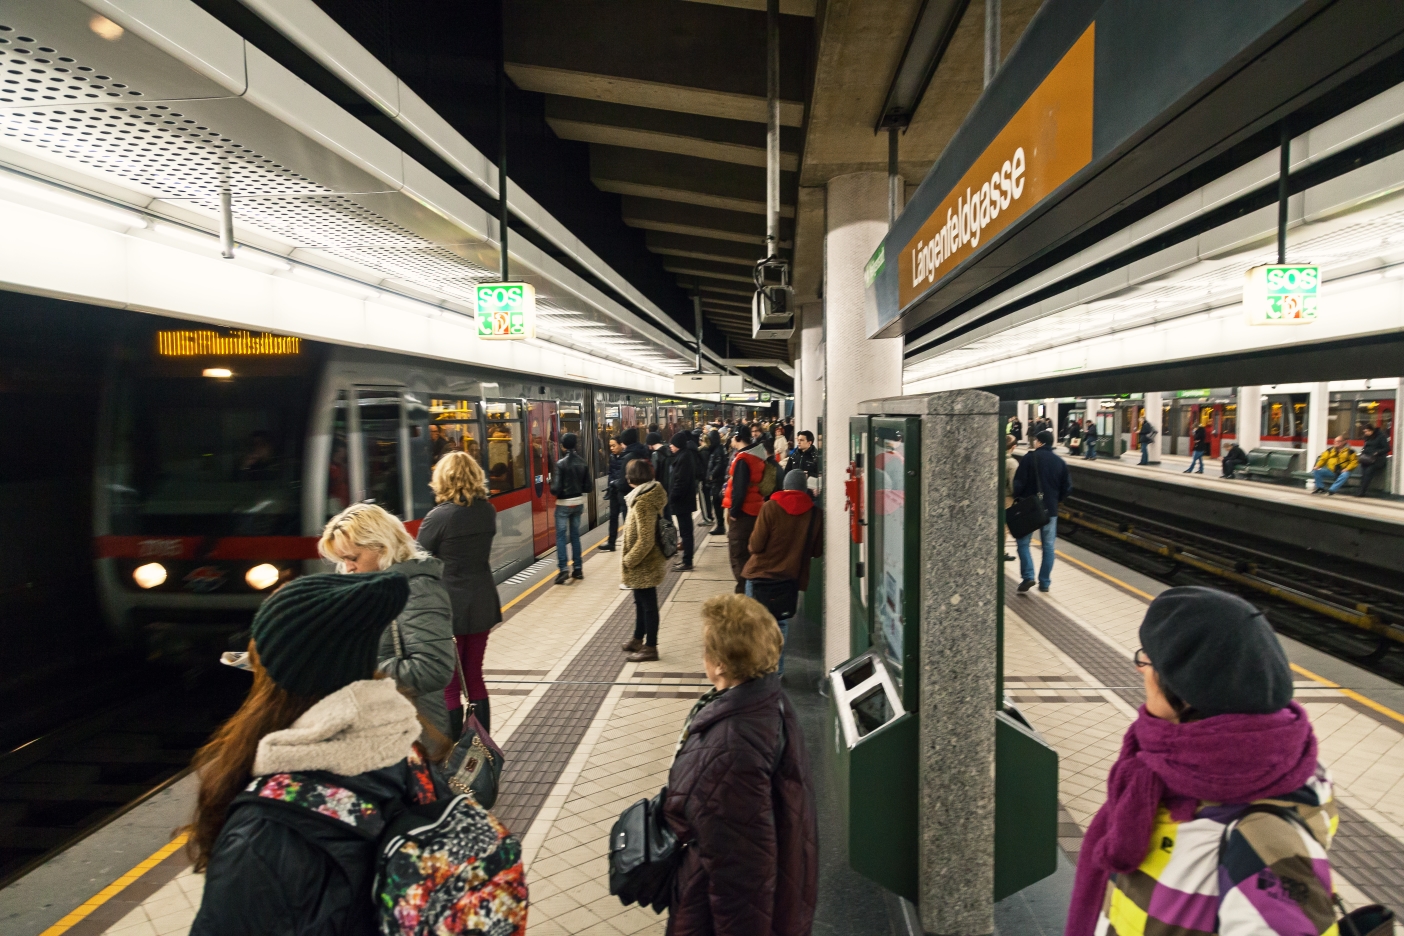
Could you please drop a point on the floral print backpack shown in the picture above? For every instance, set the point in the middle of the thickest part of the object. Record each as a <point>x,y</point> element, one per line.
<point>443,866</point>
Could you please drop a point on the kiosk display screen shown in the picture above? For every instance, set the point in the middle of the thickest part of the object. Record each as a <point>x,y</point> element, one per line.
<point>889,477</point>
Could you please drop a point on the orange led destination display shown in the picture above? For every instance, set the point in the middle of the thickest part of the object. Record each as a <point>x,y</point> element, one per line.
<point>1043,145</point>
<point>194,342</point>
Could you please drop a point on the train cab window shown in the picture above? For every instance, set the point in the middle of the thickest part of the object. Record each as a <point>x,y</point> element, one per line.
<point>380,442</point>
<point>453,427</point>
<point>506,454</point>
<point>338,461</point>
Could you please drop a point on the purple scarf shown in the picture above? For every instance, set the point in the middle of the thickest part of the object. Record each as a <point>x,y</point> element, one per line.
<point>1224,759</point>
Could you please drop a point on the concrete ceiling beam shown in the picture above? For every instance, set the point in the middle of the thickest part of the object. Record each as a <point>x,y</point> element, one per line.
<point>701,248</point>
<point>787,7</point>
<point>686,179</point>
<point>611,124</point>
<point>781,365</point>
<point>709,270</point>
<point>693,57</point>
<point>700,221</point>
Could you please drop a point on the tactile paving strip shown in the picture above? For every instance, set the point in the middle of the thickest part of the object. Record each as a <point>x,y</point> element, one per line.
<point>1362,853</point>
<point>542,745</point>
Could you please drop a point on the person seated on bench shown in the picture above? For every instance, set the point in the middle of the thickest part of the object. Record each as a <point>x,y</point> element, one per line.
<point>1234,460</point>
<point>1334,466</point>
<point>1372,457</point>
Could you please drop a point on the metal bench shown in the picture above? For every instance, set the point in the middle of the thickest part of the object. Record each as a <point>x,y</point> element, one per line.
<point>1271,465</point>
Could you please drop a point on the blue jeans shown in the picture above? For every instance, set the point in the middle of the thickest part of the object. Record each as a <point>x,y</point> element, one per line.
<point>1091,446</point>
<point>568,518</point>
<point>1325,477</point>
<point>1145,454</point>
<point>784,627</point>
<point>1196,458</point>
<point>1048,537</point>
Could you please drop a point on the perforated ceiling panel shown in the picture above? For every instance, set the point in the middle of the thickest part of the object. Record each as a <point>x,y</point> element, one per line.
<point>73,91</point>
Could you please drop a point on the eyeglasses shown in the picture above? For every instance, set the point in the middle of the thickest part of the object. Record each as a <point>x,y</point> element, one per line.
<point>1140,658</point>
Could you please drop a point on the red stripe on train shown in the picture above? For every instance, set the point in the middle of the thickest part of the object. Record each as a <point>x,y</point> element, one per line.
<point>242,547</point>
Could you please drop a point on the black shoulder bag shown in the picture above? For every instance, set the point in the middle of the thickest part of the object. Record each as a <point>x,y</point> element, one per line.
<point>1028,514</point>
<point>644,851</point>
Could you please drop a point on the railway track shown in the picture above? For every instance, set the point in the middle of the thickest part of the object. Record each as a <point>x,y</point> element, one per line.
<point>1345,609</point>
<point>63,784</point>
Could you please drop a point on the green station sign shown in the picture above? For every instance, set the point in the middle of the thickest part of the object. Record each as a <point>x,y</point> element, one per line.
<point>506,311</point>
<point>1282,294</point>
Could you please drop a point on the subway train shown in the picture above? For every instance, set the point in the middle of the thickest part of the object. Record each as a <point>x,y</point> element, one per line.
<point>221,454</point>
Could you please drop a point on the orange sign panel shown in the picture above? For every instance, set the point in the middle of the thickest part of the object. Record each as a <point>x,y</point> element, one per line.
<point>1043,145</point>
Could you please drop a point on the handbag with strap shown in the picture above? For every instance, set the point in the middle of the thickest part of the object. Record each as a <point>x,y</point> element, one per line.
<point>474,766</point>
<point>1027,514</point>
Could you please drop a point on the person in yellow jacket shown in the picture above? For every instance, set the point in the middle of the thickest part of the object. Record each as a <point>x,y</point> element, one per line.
<point>1334,466</point>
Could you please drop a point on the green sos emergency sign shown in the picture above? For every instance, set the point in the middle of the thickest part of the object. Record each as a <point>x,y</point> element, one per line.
<point>506,310</point>
<point>1283,294</point>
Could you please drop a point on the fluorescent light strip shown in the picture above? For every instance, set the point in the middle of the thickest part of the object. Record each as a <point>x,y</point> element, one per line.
<point>70,201</point>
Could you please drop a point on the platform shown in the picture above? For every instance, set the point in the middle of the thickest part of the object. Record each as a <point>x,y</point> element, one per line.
<point>1369,530</point>
<point>587,734</point>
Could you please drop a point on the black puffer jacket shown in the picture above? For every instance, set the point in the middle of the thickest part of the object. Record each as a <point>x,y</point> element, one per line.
<point>718,460</point>
<point>753,870</point>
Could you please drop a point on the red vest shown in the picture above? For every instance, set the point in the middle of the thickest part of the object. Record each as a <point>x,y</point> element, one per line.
<point>752,504</point>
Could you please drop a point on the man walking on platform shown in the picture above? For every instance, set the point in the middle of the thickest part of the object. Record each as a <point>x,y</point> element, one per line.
<point>743,500</point>
<point>1041,472</point>
<point>1199,447</point>
<point>1147,436</point>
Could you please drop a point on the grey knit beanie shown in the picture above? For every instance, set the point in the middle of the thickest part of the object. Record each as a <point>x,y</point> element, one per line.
<point>320,632</point>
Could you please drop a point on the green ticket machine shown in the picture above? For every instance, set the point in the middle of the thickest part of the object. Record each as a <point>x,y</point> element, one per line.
<point>899,560</point>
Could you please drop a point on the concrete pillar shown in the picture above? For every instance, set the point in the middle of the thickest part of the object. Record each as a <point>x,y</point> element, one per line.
<point>959,643</point>
<point>1050,412</point>
<point>1250,418</point>
<point>855,368</point>
<point>1151,403</point>
<point>1318,424</point>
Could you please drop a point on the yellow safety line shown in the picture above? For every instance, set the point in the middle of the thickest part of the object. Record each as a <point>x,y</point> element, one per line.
<point>1110,578</point>
<point>116,887</point>
<point>1348,693</point>
<point>533,588</point>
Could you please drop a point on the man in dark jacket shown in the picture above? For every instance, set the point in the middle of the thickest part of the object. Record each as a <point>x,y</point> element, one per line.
<point>682,492</point>
<point>740,791</point>
<point>718,461</point>
<point>1089,438</point>
<point>616,503</point>
<point>1041,471</point>
<point>569,484</point>
<point>1199,447</point>
<point>805,457</point>
<point>662,460</point>
<point>1145,437</point>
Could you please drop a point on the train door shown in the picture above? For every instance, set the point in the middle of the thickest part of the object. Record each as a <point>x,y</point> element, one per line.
<point>542,440</point>
<point>380,444</point>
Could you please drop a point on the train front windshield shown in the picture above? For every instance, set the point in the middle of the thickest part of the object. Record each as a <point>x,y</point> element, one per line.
<point>213,457</point>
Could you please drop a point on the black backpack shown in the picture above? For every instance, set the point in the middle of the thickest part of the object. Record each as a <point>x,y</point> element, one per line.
<point>666,535</point>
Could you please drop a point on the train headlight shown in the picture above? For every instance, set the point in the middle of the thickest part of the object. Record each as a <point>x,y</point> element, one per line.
<point>149,575</point>
<point>262,575</point>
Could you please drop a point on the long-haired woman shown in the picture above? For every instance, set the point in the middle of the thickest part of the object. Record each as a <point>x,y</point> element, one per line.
<point>417,649</point>
<point>459,531</point>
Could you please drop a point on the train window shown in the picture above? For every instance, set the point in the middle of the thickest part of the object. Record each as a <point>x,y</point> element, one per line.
<point>454,428</point>
<point>380,441</point>
<point>506,456</point>
<point>221,457</point>
<point>338,463</point>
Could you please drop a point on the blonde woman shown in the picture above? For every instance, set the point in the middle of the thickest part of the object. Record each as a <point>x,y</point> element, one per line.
<point>459,532</point>
<point>364,538</point>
